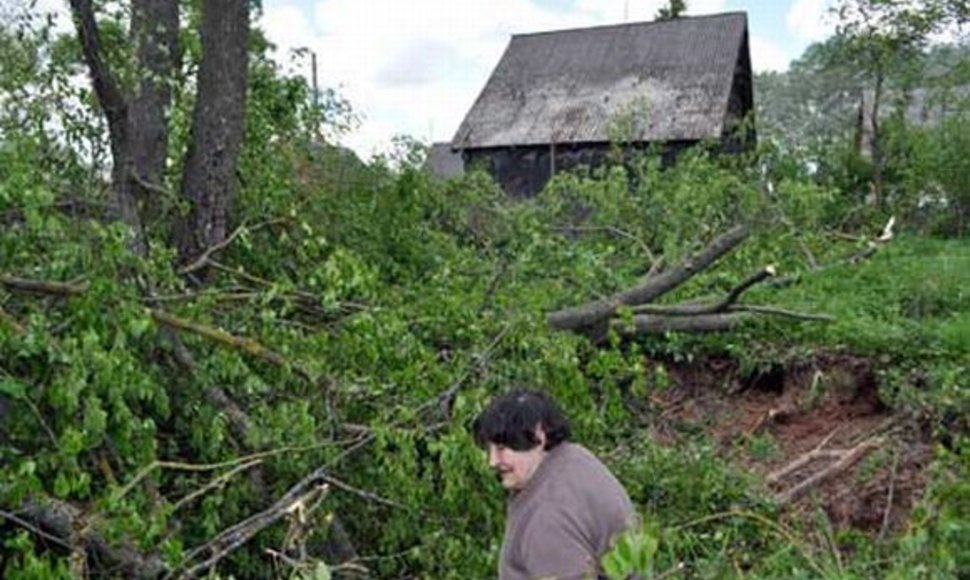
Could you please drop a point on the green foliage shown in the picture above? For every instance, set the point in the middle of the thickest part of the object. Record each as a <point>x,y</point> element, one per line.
<point>632,553</point>
<point>672,10</point>
<point>383,289</point>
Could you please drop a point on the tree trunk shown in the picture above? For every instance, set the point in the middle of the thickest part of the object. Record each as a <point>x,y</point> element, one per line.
<point>877,154</point>
<point>154,30</point>
<point>137,125</point>
<point>209,174</point>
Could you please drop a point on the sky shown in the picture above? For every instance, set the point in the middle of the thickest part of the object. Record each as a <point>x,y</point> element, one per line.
<point>415,67</point>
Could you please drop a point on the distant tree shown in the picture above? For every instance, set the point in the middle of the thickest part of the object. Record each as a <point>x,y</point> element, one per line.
<point>673,9</point>
<point>812,104</point>
<point>876,35</point>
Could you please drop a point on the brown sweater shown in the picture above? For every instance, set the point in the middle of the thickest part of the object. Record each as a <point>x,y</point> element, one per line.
<point>562,522</point>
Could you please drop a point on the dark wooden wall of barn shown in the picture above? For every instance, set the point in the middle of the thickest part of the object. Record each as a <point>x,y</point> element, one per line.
<point>524,171</point>
<point>739,123</point>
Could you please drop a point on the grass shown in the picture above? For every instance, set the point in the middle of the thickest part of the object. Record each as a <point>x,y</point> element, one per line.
<point>915,292</point>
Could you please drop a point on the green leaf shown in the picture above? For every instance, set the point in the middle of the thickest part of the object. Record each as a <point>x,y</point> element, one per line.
<point>321,572</point>
<point>62,486</point>
<point>13,388</point>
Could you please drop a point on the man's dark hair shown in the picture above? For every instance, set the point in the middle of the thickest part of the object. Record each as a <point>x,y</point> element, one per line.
<point>511,420</point>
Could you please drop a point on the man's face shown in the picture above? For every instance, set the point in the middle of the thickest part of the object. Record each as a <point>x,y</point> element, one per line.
<point>516,468</point>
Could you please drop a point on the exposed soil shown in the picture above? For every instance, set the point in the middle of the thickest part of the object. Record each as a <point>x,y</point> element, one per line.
<point>820,421</point>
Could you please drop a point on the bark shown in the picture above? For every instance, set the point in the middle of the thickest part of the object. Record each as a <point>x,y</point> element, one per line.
<point>154,29</point>
<point>595,313</point>
<point>137,124</point>
<point>114,105</point>
<point>209,174</point>
<point>653,324</point>
<point>877,154</point>
<point>64,289</point>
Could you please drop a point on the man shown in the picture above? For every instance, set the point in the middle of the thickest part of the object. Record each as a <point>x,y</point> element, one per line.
<point>565,506</point>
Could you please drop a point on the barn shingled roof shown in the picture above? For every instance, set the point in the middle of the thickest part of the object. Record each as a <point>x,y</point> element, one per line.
<point>569,86</point>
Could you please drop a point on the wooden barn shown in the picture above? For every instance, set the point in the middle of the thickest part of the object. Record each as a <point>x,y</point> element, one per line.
<point>556,100</point>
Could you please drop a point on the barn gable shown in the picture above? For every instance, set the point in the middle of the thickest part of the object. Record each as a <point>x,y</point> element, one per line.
<point>570,86</point>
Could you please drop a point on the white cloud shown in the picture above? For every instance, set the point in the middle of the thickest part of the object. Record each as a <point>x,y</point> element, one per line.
<point>408,67</point>
<point>810,20</point>
<point>767,56</point>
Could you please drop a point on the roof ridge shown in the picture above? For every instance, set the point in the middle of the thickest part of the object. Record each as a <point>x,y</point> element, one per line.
<point>632,24</point>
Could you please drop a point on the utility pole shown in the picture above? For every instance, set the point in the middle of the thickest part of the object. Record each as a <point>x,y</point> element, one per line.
<point>316,95</point>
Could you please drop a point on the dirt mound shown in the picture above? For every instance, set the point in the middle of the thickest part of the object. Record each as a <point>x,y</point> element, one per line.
<point>817,433</point>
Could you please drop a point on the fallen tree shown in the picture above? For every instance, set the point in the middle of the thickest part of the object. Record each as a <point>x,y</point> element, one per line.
<point>596,318</point>
<point>70,528</point>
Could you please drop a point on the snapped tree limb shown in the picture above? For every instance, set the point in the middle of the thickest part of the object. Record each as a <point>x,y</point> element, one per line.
<point>595,313</point>
<point>209,554</point>
<point>65,289</point>
<point>247,345</point>
<point>595,319</point>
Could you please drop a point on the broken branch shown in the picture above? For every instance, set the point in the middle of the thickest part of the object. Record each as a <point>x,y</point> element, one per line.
<point>203,260</point>
<point>593,313</point>
<point>737,291</point>
<point>847,460</point>
<point>372,497</point>
<point>720,306</point>
<point>247,345</point>
<point>258,281</point>
<point>802,461</point>
<point>12,322</point>
<point>217,483</point>
<point>652,324</point>
<point>239,534</point>
<point>42,286</point>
